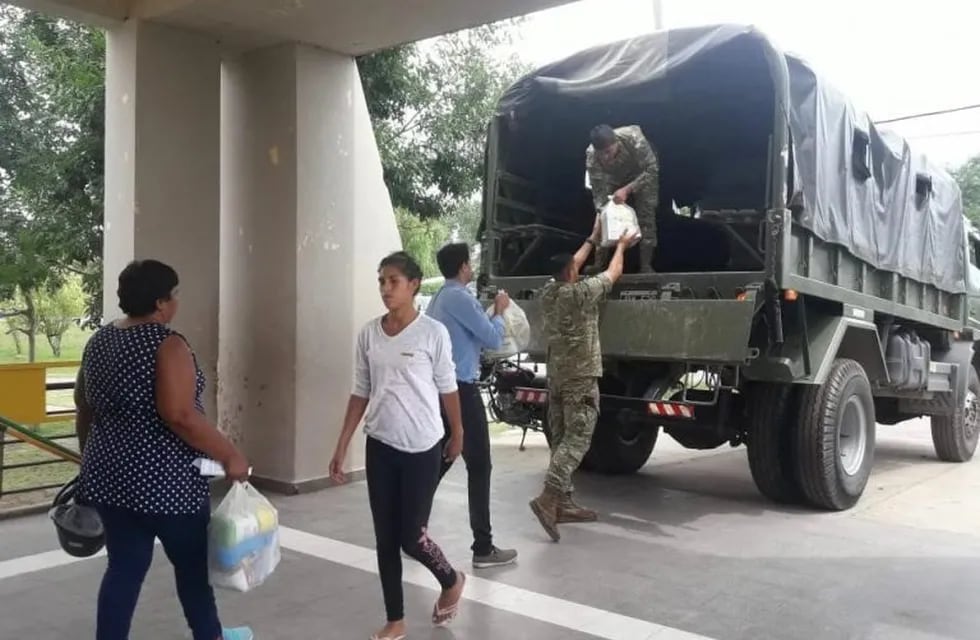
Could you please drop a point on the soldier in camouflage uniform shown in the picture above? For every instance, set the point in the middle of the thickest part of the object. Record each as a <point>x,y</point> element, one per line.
<point>622,164</point>
<point>570,310</point>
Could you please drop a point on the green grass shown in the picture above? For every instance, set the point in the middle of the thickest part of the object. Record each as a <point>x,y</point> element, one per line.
<point>71,347</point>
<point>28,477</point>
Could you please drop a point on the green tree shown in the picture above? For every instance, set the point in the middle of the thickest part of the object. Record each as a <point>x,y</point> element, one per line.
<point>421,238</point>
<point>52,78</point>
<point>49,311</point>
<point>58,309</point>
<point>968,177</point>
<point>464,220</point>
<point>430,104</point>
<point>23,320</point>
<point>22,272</point>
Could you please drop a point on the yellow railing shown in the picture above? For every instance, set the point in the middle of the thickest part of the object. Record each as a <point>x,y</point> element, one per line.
<point>32,457</point>
<point>24,392</point>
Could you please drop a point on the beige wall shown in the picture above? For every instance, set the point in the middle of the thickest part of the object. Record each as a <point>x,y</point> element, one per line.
<point>258,260</point>
<point>162,168</point>
<point>306,217</point>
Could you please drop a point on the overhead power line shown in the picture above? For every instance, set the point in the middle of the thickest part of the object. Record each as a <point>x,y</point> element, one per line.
<point>941,112</point>
<point>945,134</point>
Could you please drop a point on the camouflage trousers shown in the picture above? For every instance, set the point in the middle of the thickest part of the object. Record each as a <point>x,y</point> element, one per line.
<point>573,408</point>
<point>644,202</point>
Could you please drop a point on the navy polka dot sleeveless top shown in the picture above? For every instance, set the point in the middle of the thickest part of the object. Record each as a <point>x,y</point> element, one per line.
<point>132,459</point>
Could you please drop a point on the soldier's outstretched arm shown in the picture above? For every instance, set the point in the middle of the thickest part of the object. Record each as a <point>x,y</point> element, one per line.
<point>615,270</point>
<point>583,253</point>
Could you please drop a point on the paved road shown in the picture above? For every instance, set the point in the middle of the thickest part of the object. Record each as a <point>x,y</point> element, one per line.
<point>685,549</point>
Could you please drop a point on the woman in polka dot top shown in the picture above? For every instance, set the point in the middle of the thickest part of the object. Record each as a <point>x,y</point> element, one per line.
<point>140,425</point>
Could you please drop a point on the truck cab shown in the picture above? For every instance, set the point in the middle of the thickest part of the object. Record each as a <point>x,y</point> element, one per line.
<point>973,251</point>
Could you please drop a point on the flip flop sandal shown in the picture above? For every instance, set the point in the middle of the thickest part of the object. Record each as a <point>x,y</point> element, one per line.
<point>377,637</point>
<point>442,617</point>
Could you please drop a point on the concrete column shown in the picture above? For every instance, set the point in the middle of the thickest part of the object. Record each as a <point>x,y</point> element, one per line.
<point>162,171</point>
<point>305,219</point>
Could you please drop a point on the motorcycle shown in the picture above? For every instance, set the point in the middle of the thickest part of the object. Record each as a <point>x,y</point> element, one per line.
<point>499,381</point>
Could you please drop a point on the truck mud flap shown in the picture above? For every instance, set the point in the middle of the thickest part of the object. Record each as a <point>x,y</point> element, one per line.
<point>708,331</point>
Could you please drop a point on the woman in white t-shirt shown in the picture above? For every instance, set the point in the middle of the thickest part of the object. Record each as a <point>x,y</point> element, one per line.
<point>402,368</point>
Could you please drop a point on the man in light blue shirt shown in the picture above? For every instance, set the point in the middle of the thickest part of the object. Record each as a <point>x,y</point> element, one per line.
<point>471,330</point>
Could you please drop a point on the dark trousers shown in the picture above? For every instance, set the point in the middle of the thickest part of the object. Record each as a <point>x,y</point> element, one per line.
<point>130,538</point>
<point>476,455</point>
<point>400,487</point>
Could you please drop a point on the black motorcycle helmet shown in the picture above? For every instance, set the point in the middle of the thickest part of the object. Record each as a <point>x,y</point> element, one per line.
<point>80,530</point>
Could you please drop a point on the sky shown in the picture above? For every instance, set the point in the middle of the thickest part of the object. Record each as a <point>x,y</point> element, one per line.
<point>890,58</point>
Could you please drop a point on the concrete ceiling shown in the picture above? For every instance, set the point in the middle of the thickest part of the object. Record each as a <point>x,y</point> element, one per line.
<point>344,26</point>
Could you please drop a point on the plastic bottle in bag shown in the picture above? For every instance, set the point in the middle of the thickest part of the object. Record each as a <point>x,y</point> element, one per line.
<point>243,540</point>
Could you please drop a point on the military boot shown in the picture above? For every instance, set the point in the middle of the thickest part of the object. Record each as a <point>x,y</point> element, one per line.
<point>568,511</point>
<point>545,507</point>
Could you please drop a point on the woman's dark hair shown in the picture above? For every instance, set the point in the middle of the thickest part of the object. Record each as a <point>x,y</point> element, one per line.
<point>142,284</point>
<point>451,259</point>
<point>406,264</point>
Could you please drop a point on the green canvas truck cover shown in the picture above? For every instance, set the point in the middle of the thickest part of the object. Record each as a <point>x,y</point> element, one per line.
<point>858,186</point>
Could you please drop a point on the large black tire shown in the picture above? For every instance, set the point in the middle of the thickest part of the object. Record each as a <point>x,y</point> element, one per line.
<point>610,452</point>
<point>835,446</point>
<point>771,443</point>
<point>619,448</point>
<point>955,437</point>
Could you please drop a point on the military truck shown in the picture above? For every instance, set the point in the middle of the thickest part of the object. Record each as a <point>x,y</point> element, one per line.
<point>814,273</point>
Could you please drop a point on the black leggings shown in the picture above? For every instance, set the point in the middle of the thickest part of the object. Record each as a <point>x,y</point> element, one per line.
<point>401,486</point>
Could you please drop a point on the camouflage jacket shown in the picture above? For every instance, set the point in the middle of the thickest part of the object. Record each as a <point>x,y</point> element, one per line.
<point>571,326</point>
<point>636,164</point>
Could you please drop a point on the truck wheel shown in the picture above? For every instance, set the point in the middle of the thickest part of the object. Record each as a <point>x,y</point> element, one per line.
<point>771,452</point>
<point>955,437</point>
<point>619,448</point>
<point>615,450</point>
<point>836,442</point>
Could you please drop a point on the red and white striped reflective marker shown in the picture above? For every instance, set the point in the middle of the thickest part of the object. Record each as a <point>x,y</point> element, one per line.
<point>531,396</point>
<point>671,410</point>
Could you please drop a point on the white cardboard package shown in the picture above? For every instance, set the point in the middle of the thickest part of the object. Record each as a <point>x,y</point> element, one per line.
<point>617,219</point>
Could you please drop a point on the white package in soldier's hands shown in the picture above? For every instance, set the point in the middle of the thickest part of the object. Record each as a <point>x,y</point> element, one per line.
<point>617,219</point>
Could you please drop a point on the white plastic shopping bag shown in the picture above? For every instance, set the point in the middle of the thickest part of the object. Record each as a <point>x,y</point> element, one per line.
<point>517,333</point>
<point>616,220</point>
<point>243,540</point>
